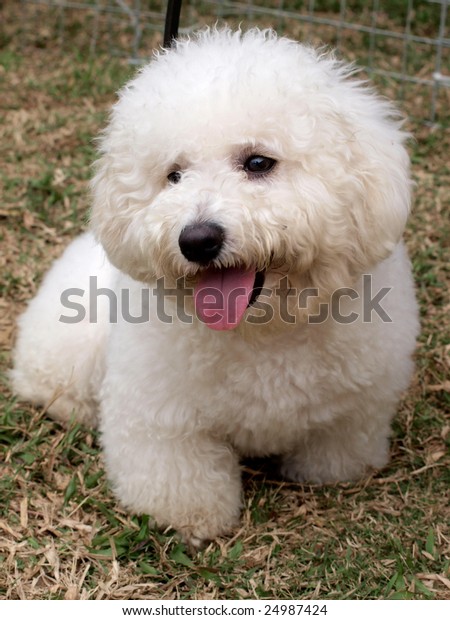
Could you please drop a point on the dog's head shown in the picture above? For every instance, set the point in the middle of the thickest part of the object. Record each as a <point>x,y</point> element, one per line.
<point>236,159</point>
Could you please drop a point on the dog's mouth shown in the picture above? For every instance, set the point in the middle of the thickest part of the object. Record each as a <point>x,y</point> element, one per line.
<point>222,295</point>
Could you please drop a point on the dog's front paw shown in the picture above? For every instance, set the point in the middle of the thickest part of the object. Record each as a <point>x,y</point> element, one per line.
<point>192,485</point>
<point>201,514</point>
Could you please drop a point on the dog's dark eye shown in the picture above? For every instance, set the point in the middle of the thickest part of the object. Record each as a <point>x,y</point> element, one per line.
<point>258,164</point>
<point>174,177</point>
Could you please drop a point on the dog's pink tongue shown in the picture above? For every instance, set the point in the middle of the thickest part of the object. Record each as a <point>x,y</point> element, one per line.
<point>222,295</point>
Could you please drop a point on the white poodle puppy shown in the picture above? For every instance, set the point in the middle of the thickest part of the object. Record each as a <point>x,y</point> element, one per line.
<point>248,293</point>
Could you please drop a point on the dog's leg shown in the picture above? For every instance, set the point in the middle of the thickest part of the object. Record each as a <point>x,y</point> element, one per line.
<point>339,452</point>
<point>191,483</point>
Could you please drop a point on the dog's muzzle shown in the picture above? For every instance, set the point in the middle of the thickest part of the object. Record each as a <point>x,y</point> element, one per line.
<point>222,294</point>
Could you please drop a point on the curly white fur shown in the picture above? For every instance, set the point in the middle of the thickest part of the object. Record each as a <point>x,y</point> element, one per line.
<point>180,403</point>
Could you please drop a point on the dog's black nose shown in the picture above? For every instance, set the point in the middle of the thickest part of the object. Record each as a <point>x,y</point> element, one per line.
<point>201,243</point>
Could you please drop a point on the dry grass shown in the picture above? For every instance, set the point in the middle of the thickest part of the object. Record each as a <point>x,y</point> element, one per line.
<point>62,534</point>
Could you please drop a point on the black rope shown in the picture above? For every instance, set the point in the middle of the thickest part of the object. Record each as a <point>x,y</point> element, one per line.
<point>172,22</point>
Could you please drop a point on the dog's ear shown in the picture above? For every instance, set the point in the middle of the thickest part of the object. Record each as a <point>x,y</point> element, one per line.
<point>365,168</point>
<point>126,180</point>
<point>381,167</point>
<point>106,213</point>
<point>117,211</point>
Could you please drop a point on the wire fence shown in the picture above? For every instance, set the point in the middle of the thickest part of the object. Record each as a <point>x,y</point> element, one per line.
<point>404,41</point>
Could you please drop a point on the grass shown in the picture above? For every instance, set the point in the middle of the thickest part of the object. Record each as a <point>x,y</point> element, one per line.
<point>62,533</point>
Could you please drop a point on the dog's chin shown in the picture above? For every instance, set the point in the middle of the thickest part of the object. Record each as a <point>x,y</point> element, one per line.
<point>271,305</point>
<point>261,299</point>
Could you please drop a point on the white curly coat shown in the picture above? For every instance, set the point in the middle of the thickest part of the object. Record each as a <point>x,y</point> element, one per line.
<point>179,404</point>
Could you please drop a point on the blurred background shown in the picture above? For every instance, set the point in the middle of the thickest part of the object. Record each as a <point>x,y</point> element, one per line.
<point>404,40</point>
